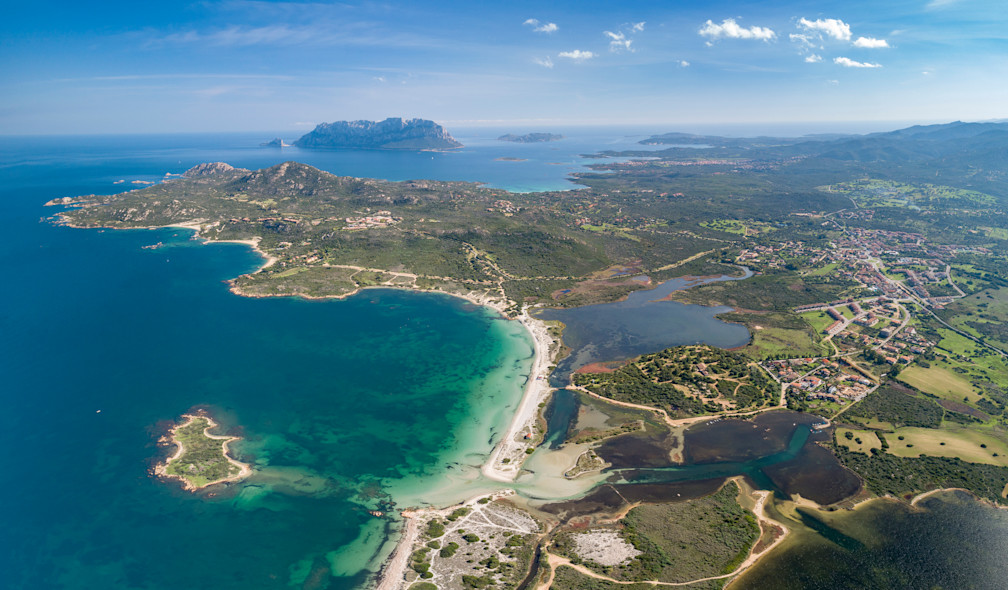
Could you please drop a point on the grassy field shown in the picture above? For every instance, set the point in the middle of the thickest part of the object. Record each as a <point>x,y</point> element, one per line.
<point>862,441</point>
<point>983,314</point>
<point>940,380</point>
<point>818,320</point>
<point>777,334</point>
<point>963,443</point>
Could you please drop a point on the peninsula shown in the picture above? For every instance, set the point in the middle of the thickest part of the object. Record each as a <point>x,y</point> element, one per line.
<point>202,459</point>
<point>393,133</point>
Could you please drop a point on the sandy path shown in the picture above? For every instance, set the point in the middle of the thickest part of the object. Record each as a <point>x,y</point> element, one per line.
<point>764,522</point>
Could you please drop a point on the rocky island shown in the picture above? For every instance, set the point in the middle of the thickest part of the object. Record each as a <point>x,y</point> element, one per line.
<point>276,142</point>
<point>531,137</point>
<point>202,459</point>
<point>393,133</point>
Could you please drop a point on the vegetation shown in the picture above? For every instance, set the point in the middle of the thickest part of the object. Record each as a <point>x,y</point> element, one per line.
<point>681,541</point>
<point>902,477</point>
<point>203,460</point>
<point>686,380</point>
<point>899,405</point>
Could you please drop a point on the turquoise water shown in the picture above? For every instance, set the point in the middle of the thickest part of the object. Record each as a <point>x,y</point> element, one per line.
<point>385,398</point>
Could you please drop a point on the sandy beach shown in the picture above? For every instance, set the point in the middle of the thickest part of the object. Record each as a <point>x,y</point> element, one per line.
<point>506,459</point>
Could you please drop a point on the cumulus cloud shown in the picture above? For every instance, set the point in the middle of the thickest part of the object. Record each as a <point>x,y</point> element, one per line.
<point>637,27</point>
<point>870,43</point>
<point>813,58</point>
<point>618,41</point>
<point>732,30</point>
<point>831,27</point>
<point>850,63</point>
<point>541,27</point>
<point>683,63</point>
<point>577,55</point>
<point>545,62</point>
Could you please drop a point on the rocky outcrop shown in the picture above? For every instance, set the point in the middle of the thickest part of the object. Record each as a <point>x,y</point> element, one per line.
<point>211,168</point>
<point>275,143</point>
<point>390,134</point>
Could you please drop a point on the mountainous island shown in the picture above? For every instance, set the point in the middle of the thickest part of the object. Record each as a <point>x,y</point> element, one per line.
<point>531,137</point>
<point>876,311</point>
<point>393,133</point>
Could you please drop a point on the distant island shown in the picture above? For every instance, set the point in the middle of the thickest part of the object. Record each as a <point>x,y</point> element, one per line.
<point>275,143</point>
<point>531,137</point>
<point>393,133</point>
<point>202,458</point>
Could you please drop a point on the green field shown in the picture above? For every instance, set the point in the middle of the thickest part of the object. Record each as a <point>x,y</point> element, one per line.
<point>818,320</point>
<point>940,380</point>
<point>962,443</point>
<point>868,440</point>
<point>778,335</point>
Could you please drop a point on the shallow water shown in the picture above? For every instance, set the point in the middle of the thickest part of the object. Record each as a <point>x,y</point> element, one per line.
<point>640,324</point>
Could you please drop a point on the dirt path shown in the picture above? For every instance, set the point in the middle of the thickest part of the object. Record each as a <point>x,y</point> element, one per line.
<point>764,522</point>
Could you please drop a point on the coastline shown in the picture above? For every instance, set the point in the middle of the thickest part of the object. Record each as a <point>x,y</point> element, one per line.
<point>244,469</point>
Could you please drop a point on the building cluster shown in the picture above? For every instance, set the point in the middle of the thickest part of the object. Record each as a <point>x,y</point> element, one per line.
<point>823,379</point>
<point>506,207</point>
<point>379,219</point>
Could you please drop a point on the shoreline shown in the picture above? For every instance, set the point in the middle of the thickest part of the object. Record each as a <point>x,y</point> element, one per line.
<point>244,469</point>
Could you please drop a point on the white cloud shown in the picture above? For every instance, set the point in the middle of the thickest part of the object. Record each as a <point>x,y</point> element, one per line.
<point>730,29</point>
<point>813,58</point>
<point>541,27</point>
<point>618,41</point>
<point>622,39</point>
<point>850,63</point>
<point>833,82</point>
<point>802,38</point>
<point>577,55</point>
<point>831,27</point>
<point>940,3</point>
<point>683,64</point>
<point>545,62</point>
<point>870,43</point>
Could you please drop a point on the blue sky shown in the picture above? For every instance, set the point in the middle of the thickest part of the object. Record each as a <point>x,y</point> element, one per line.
<point>257,65</point>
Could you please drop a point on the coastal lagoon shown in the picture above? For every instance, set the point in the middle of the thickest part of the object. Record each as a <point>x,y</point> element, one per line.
<point>642,323</point>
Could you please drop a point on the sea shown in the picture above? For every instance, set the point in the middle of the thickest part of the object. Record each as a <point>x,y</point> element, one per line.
<point>385,400</point>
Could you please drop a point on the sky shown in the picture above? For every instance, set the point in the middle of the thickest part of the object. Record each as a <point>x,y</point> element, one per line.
<point>240,65</point>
